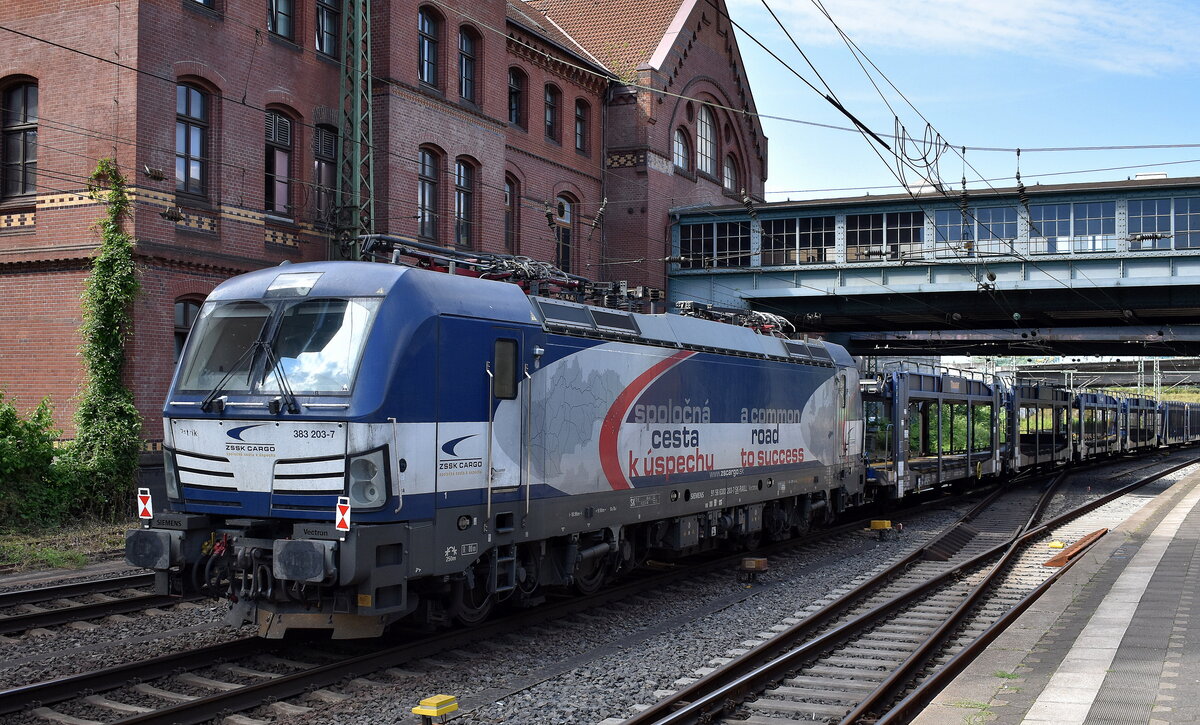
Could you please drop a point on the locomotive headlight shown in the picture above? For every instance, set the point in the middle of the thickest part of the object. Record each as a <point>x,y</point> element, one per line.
<point>368,480</point>
<point>170,476</point>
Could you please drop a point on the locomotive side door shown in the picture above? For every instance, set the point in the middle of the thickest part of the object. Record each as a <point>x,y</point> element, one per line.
<point>508,410</point>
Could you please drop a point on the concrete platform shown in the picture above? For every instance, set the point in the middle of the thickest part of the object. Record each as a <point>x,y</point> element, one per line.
<point>1112,642</point>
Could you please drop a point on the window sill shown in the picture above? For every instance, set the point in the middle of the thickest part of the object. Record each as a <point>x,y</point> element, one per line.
<point>207,11</point>
<point>18,203</point>
<point>284,42</point>
<point>680,171</point>
<point>279,221</point>
<point>190,201</point>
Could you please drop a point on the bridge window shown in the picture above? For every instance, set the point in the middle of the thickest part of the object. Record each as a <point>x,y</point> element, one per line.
<point>1149,224</point>
<point>864,237</point>
<point>1049,228</point>
<point>733,244</point>
<point>1187,223</point>
<point>778,242</point>
<point>997,229</point>
<point>1095,226</point>
<point>816,239</point>
<point>905,233</point>
<point>955,235</point>
<point>695,245</point>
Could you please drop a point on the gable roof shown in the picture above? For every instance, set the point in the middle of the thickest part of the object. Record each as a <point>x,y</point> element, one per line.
<point>621,35</point>
<point>539,24</point>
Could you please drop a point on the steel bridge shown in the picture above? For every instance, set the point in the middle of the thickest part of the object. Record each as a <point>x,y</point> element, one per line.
<point>1108,268</point>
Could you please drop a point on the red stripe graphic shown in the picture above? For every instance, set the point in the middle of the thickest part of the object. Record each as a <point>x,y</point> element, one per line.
<point>609,430</point>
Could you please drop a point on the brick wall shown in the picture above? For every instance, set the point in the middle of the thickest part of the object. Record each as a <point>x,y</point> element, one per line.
<point>187,244</point>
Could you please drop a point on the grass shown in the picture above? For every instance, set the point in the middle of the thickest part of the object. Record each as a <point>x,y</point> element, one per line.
<point>1006,675</point>
<point>63,548</point>
<point>983,711</point>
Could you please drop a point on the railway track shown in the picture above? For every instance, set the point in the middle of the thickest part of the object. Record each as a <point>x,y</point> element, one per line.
<point>853,660</point>
<point>199,685</point>
<point>245,675</point>
<point>28,609</point>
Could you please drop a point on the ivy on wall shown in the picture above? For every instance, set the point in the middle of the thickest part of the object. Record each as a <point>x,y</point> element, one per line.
<point>108,426</point>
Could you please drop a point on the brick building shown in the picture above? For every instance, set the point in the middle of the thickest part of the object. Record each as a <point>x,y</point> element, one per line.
<point>497,126</point>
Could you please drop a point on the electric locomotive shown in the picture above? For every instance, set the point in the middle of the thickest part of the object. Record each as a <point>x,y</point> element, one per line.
<point>349,444</point>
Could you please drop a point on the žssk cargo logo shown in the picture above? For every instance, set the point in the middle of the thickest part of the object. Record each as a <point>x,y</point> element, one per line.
<point>458,465</point>
<point>239,446</point>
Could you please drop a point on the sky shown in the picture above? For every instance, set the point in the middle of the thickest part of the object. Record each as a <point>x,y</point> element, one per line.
<point>1008,74</point>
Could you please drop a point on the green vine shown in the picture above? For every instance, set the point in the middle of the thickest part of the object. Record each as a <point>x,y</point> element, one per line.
<point>108,425</point>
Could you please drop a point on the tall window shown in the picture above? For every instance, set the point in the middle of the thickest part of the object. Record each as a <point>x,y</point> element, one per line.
<point>191,132</point>
<point>427,194</point>
<point>325,172</point>
<point>280,18</point>
<point>681,155</point>
<point>553,98</point>
<point>427,47</point>
<point>955,234</point>
<point>706,142</point>
<point>516,97</point>
<point>329,26</point>
<point>464,203</point>
<point>1187,223</point>
<point>185,317</point>
<point>905,233</point>
<point>581,126</point>
<point>279,164</point>
<point>512,218</point>
<point>815,237</point>
<point>729,174</point>
<point>733,244</point>
<point>1149,224</point>
<point>1095,226</point>
<point>18,125</point>
<point>467,48</point>
<point>997,229</point>
<point>864,237</point>
<point>696,245</point>
<point>1049,228</point>
<point>563,227</point>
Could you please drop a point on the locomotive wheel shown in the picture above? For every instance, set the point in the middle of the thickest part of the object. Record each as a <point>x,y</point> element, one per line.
<point>470,606</point>
<point>590,575</point>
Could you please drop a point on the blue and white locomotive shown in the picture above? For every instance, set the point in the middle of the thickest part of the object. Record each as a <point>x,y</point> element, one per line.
<point>487,444</point>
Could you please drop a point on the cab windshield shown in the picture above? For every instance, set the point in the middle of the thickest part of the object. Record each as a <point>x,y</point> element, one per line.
<point>317,344</point>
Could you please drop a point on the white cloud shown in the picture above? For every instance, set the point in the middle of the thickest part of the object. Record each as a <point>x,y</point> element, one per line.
<point>1123,36</point>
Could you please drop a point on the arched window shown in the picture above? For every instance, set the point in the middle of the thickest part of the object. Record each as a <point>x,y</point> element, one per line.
<point>582,121</point>
<point>427,194</point>
<point>512,218</point>
<point>464,203</point>
<point>468,49</point>
<point>553,103</point>
<point>18,152</point>
<point>729,174</point>
<point>706,142</point>
<point>516,97</point>
<point>185,317</point>
<point>279,164</point>
<point>191,139</point>
<point>681,154</point>
<point>325,148</point>
<point>564,222</point>
<point>428,29</point>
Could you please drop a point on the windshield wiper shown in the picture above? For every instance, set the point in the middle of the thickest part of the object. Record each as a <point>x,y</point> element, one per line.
<point>285,388</point>
<point>212,394</point>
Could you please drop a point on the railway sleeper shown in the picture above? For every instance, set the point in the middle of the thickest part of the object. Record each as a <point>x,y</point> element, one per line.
<point>817,693</point>
<point>809,681</point>
<point>798,708</point>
